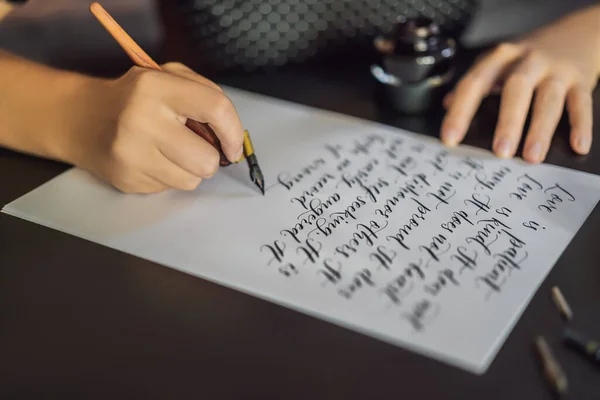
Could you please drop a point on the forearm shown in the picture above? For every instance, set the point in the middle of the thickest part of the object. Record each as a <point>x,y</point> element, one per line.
<point>40,106</point>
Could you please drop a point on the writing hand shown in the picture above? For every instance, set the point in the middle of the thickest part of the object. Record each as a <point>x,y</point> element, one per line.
<point>139,143</point>
<point>560,64</point>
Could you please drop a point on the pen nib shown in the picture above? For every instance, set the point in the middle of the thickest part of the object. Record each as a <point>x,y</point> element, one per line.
<point>256,174</point>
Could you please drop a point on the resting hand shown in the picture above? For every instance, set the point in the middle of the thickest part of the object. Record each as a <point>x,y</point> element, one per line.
<point>560,64</point>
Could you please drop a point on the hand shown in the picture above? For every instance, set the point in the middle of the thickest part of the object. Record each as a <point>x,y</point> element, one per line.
<point>560,63</point>
<point>134,135</point>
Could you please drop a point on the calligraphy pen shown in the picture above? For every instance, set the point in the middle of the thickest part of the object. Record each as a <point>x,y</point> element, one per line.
<point>141,59</point>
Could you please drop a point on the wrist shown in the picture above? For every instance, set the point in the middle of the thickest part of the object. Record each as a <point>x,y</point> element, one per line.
<point>78,110</point>
<point>591,18</point>
<point>595,11</point>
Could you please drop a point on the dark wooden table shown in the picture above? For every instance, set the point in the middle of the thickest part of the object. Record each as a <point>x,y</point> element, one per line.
<point>78,320</point>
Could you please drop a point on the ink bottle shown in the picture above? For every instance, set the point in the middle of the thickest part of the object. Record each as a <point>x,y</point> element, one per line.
<point>416,64</point>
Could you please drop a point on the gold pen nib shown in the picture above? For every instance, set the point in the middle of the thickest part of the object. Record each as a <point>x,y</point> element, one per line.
<point>256,174</point>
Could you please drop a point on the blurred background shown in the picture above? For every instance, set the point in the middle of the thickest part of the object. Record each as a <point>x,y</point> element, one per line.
<point>65,34</point>
<point>214,36</point>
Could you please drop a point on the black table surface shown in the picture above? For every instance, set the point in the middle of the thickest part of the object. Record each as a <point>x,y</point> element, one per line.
<point>78,320</point>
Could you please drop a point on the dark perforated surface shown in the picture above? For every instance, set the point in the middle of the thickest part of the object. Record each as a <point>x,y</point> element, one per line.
<point>258,33</point>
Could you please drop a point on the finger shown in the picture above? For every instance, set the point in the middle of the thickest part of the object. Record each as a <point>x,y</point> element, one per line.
<point>204,104</point>
<point>188,151</point>
<point>449,97</point>
<point>514,105</point>
<point>151,186</point>
<point>472,88</point>
<point>548,108</point>
<point>579,106</point>
<point>127,179</point>
<point>184,71</point>
<point>137,183</point>
<point>171,175</point>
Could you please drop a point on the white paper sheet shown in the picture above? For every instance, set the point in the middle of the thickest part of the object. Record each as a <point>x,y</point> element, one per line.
<point>373,228</point>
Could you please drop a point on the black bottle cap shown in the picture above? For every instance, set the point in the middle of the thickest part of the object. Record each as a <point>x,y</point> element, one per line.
<point>417,62</point>
<point>415,49</point>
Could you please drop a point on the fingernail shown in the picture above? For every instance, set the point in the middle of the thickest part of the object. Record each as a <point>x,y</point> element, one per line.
<point>503,148</point>
<point>583,144</point>
<point>535,152</point>
<point>450,136</point>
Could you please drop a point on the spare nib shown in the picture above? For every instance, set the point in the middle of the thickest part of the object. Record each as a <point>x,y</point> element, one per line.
<point>255,173</point>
